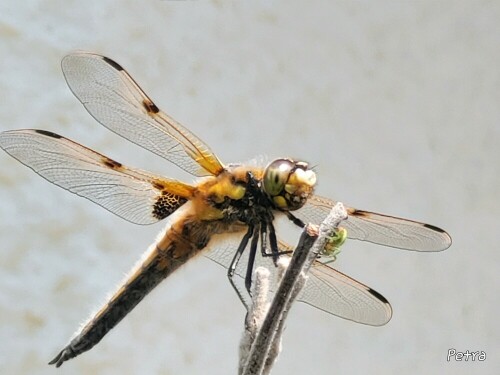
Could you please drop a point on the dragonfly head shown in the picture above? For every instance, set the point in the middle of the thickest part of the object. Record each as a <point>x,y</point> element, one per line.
<point>288,183</point>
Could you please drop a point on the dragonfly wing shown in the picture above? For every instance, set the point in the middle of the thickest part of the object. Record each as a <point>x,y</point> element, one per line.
<point>114,99</point>
<point>326,288</point>
<point>336,293</point>
<point>378,228</point>
<point>132,194</point>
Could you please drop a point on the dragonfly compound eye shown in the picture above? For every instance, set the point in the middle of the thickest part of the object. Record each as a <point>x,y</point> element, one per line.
<point>288,183</point>
<point>276,175</point>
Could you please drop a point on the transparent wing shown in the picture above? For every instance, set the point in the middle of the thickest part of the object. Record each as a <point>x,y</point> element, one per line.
<point>378,228</point>
<point>326,288</point>
<point>114,99</point>
<point>132,194</point>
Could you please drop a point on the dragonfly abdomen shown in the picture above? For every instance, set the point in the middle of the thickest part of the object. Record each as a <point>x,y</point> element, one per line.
<point>174,247</point>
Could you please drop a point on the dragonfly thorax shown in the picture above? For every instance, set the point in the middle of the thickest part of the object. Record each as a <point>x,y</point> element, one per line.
<point>238,195</point>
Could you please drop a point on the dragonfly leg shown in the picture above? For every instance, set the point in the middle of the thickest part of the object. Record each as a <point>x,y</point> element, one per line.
<point>263,240</point>
<point>294,219</point>
<point>275,252</point>
<point>234,263</point>
<point>251,260</point>
<point>273,241</point>
<point>242,246</point>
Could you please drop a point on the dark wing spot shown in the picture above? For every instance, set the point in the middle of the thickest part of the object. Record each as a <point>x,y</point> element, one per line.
<point>48,134</point>
<point>436,229</point>
<point>110,163</point>
<point>377,295</point>
<point>166,204</point>
<point>150,106</point>
<point>359,213</point>
<point>157,185</point>
<point>114,64</point>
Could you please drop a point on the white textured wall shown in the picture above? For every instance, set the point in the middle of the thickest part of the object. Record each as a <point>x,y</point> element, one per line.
<point>398,105</point>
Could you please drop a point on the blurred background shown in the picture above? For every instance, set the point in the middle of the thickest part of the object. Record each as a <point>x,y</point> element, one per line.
<point>396,104</point>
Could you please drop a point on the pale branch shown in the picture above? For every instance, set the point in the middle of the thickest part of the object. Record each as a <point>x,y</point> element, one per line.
<point>261,342</point>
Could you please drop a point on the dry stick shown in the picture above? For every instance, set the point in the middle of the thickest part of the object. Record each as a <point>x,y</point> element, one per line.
<point>268,338</point>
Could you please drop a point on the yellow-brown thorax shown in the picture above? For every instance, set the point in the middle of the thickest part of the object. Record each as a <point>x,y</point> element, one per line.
<point>284,185</point>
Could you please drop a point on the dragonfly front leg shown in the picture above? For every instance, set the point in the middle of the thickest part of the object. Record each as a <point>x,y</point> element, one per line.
<point>294,219</point>
<point>275,252</point>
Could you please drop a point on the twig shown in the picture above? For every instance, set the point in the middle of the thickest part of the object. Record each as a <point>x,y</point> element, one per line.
<point>258,351</point>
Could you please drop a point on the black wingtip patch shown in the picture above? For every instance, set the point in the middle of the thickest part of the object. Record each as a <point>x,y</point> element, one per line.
<point>48,134</point>
<point>379,296</point>
<point>435,229</point>
<point>113,63</point>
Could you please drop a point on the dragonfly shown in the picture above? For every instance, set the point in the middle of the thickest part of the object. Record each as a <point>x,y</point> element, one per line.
<point>225,214</point>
